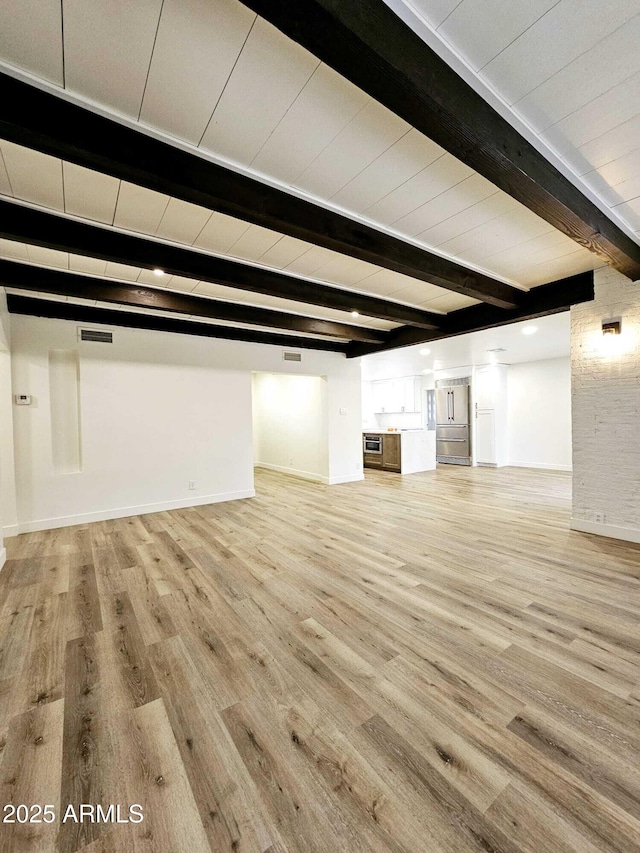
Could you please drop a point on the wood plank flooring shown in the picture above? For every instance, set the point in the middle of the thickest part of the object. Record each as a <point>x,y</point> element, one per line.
<point>424,663</point>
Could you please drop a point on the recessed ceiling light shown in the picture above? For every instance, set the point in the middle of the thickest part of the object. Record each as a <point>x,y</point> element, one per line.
<point>425,352</point>
<point>354,314</point>
<point>158,271</point>
<point>529,330</point>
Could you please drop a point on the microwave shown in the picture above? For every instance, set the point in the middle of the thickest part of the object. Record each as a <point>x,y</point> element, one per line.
<point>372,444</point>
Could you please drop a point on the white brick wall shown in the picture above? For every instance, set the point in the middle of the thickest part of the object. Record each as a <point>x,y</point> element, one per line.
<point>605,386</point>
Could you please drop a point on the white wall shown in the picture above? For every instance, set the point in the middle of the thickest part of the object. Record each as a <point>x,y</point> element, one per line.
<point>539,414</point>
<point>369,420</point>
<point>7,481</point>
<point>157,410</point>
<point>605,379</point>
<point>290,424</point>
<point>344,403</point>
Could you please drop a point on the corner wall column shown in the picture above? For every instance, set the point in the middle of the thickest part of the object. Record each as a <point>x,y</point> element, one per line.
<point>605,392</point>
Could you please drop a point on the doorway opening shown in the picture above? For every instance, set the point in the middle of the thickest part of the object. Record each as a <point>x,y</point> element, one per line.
<point>290,425</point>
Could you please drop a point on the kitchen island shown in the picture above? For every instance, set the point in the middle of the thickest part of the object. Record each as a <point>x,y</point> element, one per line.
<point>406,451</point>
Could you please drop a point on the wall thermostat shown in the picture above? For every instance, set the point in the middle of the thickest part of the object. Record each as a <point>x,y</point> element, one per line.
<point>23,399</point>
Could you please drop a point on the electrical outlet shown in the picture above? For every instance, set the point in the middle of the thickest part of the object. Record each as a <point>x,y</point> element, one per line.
<point>192,484</point>
<point>598,517</point>
<point>358,466</point>
<point>343,411</point>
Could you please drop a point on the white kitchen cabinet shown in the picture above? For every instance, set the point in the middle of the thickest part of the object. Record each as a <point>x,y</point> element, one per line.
<point>487,382</point>
<point>486,437</point>
<point>414,394</point>
<point>381,396</point>
<point>490,410</point>
<point>404,394</point>
<point>397,395</point>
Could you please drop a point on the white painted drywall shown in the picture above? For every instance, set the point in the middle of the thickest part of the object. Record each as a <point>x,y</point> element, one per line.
<point>64,402</point>
<point>157,410</point>
<point>345,425</point>
<point>369,420</point>
<point>5,392</point>
<point>5,321</point>
<point>8,518</point>
<point>290,424</point>
<point>7,480</point>
<point>605,380</point>
<point>539,414</point>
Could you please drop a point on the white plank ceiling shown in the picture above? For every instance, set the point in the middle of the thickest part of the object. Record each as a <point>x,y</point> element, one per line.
<point>570,69</point>
<point>497,234</point>
<point>49,182</point>
<point>212,74</point>
<point>52,258</point>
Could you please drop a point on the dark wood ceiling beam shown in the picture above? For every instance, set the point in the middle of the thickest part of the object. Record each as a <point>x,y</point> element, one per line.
<point>56,231</point>
<point>366,42</point>
<point>54,125</point>
<point>62,283</point>
<point>87,314</point>
<point>540,301</point>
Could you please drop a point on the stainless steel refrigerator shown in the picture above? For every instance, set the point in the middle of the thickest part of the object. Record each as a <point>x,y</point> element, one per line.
<point>453,435</point>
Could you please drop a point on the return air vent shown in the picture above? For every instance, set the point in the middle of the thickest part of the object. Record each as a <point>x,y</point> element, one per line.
<point>96,335</point>
<point>449,383</point>
<point>292,356</point>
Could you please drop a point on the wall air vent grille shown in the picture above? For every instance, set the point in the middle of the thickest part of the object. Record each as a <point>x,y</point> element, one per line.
<point>448,383</point>
<point>292,356</point>
<point>96,335</point>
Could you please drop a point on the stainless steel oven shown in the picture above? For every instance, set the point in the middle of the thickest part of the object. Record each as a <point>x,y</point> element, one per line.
<point>372,444</point>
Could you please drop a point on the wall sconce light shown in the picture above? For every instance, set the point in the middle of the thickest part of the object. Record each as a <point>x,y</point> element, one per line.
<point>611,327</point>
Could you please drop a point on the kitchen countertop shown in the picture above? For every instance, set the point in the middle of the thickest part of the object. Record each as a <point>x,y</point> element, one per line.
<point>389,432</point>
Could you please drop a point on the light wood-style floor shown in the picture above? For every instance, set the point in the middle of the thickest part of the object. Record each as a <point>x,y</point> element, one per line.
<point>424,663</point>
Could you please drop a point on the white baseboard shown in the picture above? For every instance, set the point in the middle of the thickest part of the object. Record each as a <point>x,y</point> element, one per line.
<point>612,531</point>
<point>347,478</point>
<point>10,530</point>
<point>308,475</point>
<point>543,465</point>
<point>293,472</point>
<point>3,557</point>
<point>126,511</point>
